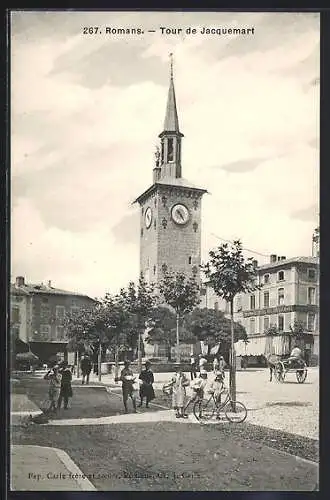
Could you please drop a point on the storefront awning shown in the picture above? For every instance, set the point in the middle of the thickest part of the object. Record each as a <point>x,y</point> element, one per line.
<point>263,345</point>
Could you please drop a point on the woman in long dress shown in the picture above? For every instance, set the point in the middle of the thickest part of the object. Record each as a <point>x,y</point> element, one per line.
<point>146,388</point>
<point>54,378</point>
<point>179,382</point>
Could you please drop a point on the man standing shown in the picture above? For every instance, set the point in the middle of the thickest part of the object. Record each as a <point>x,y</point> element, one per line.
<point>86,368</point>
<point>193,370</point>
<point>222,365</point>
<point>215,364</point>
<point>66,387</point>
<point>127,377</point>
<point>202,363</point>
<point>146,388</point>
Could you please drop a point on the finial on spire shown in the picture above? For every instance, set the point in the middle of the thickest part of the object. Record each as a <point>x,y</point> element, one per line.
<point>171,67</point>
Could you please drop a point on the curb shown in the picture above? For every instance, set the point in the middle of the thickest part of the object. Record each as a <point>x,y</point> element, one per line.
<point>84,484</point>
<point>25,413</point>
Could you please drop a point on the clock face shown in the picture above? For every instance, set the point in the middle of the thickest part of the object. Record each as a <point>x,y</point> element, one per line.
<point>148,217</point>
<point>180,214</point>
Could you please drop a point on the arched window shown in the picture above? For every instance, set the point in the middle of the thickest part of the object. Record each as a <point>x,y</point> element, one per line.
<point>170,151</point>
<point>281,276</point>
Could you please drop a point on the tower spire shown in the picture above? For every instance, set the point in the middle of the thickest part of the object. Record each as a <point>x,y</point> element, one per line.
<point>170,160</point>
<point>171,123</point>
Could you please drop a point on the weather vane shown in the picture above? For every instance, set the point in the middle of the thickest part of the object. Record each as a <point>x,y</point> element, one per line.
<point>171,58</point>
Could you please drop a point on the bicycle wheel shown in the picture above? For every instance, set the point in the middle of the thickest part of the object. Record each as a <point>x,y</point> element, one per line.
<point>235,411</point>
<point>203,410</point>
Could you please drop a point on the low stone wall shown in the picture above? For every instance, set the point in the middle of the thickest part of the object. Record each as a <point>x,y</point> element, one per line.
<point>156,367</point>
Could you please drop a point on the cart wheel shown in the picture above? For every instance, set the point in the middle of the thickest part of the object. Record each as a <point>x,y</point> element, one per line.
<point>204,410</point>
<point>301,375</point>
<point>235,411</point>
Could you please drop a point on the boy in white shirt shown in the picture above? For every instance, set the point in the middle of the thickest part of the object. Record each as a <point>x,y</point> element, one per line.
<point>198,387</point>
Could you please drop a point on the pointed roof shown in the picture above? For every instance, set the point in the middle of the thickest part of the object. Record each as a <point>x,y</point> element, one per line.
<point>171,123</point>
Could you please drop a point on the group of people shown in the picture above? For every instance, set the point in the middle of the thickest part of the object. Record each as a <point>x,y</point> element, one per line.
<point>60,388</point>
<point>218,365</point>
<point>176,386</point>
<point>199,385</point>
<point>129,384</point>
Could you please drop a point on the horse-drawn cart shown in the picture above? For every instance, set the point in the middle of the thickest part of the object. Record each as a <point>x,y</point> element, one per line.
<point>298,367</point>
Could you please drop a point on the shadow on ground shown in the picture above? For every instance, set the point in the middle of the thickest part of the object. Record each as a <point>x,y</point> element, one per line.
<point>289,404</point>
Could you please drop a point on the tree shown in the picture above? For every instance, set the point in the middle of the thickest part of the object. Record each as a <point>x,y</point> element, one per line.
<point>272,330</point>
<point>80,327</point>
<point>85,332</point>
<point>182,294</point>
<point>212,324</point>
<point>230,274</point>
<point>297,331</point>
<point>139,301</point>
<point>162,326</point>
<point>117,323</point>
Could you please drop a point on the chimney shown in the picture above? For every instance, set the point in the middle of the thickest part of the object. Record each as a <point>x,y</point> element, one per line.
<point>255,263</point>
<point>20,281</point>
<point>273,258</point>
<point>49,284</point>
<point>283,257</point>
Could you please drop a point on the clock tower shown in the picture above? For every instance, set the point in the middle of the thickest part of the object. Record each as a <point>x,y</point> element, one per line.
<point>170,209</point>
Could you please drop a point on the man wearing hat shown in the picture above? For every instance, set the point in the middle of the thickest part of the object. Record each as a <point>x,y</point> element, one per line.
<point>146,388</point>
<point>128,378</point>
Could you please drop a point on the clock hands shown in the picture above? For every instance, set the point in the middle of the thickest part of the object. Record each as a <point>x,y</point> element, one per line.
<point>180,213</point>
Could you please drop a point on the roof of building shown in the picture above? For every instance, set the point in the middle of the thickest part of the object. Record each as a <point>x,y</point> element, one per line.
<point>286,262</point>
<point>31,288</point>
<point>280,263</point>
<point>170,181</point>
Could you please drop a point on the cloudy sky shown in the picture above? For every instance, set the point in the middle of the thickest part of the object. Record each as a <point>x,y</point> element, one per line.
<point>86,113</point>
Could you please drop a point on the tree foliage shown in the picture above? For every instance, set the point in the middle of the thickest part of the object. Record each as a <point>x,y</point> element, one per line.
<point>298,329</point>
<point>229,273</point>
<point>180,292</point>
<point>139,301</point>
<point>162,329</point>
<point>272,330</point>
<point>114,321</point>
<point>210,323</point>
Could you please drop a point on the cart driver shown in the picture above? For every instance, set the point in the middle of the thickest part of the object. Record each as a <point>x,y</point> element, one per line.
<point>295,356</point>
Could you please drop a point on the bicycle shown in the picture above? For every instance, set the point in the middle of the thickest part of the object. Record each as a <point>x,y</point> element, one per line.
<point>235,411</point>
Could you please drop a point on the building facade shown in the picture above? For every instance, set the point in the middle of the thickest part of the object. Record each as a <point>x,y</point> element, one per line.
<point>286,303</point>
<point>37,316</point>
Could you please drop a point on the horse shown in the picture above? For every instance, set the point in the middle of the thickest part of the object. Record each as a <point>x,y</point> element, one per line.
<point>272,360</point>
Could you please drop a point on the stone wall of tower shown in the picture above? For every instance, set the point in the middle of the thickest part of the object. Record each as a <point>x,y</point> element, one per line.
<point>148,238</point>
<point>177,244</point>
<point>166,243</point>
